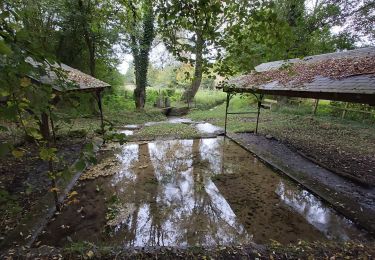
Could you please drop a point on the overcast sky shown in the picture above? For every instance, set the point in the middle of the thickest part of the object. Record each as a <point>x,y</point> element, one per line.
<point>159,57</point>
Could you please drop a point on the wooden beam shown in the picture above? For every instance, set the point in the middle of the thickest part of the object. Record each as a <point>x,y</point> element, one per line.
<point>344,110</point>
<point>98,94</point>
<point>259,107</point>
<point>316,104</point>
<point>362,98</point>
<point>44,126</point>
<point>226,113</point>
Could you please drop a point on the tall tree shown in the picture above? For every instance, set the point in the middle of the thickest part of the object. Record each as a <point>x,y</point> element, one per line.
<point>192,31</point>
<point>138,27</point>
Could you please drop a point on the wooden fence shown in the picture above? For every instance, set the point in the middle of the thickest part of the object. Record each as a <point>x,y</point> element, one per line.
<point>344,109</point>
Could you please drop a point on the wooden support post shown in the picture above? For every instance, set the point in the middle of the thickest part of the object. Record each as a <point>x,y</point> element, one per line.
<point>44,126</point>
<point>52,126</point>
<point>259,106</point>
<point>344,111</point>
<point>226,113</point>
<point>101,111</point>
<point>315,106</point>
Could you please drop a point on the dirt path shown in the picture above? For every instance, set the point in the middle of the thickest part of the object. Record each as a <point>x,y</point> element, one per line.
<point>353,201</point>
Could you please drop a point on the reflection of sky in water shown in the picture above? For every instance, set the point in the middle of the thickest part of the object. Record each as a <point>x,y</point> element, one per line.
<point>128,156</point>
<point>189,207</point>
<point>210,150</point>
<point>178,120</point>
<point>131,127</point>
<point>182,205</point>
<point>208,128</point>
<point>323,218</point>
<point>127,132</point>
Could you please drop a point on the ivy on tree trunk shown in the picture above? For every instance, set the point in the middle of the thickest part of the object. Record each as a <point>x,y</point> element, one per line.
<point>140,50</point>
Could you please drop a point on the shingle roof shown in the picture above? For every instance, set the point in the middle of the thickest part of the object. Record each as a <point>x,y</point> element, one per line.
<point>346,76</point>
<point>79,81</point>
<point>357,53</point>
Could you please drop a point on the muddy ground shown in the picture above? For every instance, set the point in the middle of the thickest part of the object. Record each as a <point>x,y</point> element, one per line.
<point>24,181</point>
<point>347,150</point>
<point>348,164</point>
<point>301,250</point>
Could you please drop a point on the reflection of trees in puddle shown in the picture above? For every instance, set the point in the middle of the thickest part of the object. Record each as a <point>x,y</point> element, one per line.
<point>315,212</point>
<point>171,159</point>
<point>175,201</point>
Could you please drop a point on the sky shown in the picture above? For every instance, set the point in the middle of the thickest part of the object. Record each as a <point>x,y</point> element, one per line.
<point>159,57</point>
<point>126,60</point>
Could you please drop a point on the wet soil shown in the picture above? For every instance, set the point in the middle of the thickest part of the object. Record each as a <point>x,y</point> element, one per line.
<point>25,179</point>
<point>345,163</point>
<point>301,250</point>
<point>205,192</point>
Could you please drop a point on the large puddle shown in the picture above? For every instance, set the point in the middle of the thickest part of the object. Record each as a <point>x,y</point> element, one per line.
<point>192,192</point>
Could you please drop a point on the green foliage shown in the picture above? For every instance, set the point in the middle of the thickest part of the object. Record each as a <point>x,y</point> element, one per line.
<point>282,30</point>
<point>206,99</point>
<point>48,154</point>
<point>363,20</point>
<point>23,100</point>
<point>183,23</point>
<point>115,102</point>
<point>88,32</point>
<point>27,54</point>
<point>192,29</point>
<point>153,95</point>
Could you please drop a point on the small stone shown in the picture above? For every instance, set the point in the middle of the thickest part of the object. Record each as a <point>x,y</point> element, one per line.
<point>269,136</point>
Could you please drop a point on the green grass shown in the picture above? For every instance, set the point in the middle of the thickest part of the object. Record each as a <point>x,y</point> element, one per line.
<point>206,99</point>
<point>90,125</point>
<point>236,123</point>
<point>162,130</point>
<point>296,125</point>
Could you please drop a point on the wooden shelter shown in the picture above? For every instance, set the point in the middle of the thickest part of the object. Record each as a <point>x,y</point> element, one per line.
<point>342,76</point>
<point>64,79</point>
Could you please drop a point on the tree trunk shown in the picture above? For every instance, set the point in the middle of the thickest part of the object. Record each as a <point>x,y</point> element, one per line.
<point>140,81</point>
<point>141,50</point>
<point>198,70</point>
<point>92,58</point>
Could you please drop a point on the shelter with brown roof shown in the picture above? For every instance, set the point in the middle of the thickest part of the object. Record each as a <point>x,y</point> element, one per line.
<point>342,76</point>
<point>63,79</point>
